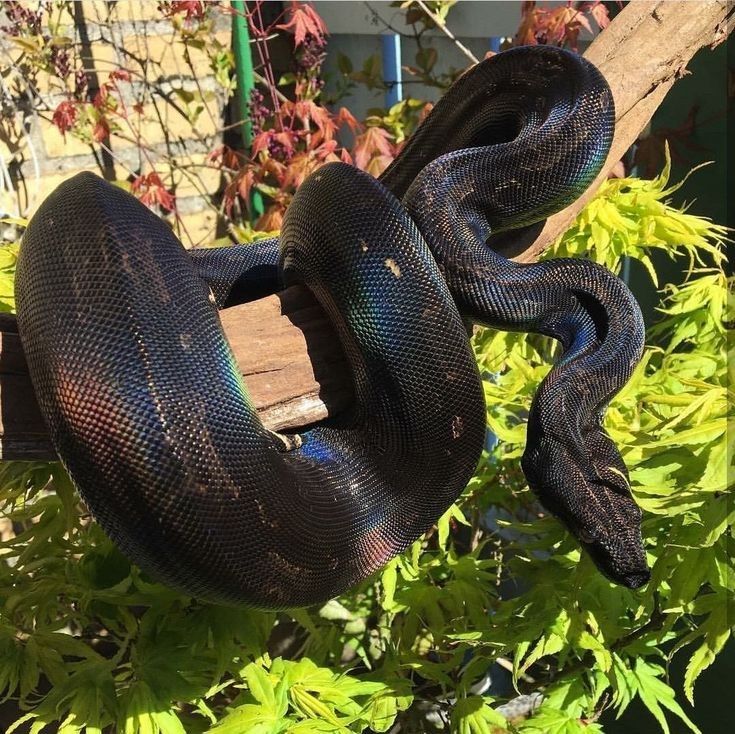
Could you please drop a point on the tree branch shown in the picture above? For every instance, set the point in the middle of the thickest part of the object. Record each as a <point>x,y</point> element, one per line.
<point>445,30</point>
<point>641,54</point>
<point>284,345</point>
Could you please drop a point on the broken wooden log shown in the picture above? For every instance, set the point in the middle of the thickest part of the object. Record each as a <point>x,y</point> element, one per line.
<point>284,345</point>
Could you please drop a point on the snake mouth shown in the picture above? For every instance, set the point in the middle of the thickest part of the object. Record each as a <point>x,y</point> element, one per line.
<point>620,557</point>
<point>630,579</point>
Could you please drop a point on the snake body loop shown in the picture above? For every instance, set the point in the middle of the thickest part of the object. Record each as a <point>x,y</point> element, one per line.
<point>149,414</point>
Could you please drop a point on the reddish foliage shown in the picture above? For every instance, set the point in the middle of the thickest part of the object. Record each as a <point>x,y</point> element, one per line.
<point>598,11</point>
<point>226,157</point>
<point>558,25</point>
<point>294,137</point>
<point>425,110</point>
<point>307,111</point>
<point>150,190</point>
<point>193,10</point>
<point>102,97</point>
<point>101,130</point>
<point>272,219</point>
<point>121,75</point>
<point>245,182</point>
<point>373,150</point>
<point>345,117</point>
<point>99,113</point>
<point>303,21</point>
<point>261,142</point>
<point>65,115</point>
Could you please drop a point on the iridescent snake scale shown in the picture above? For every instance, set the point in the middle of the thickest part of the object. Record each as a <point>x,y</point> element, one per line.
<point>149,414</point>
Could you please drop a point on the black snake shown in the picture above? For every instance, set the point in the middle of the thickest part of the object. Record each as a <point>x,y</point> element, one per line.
<point>149,414</point>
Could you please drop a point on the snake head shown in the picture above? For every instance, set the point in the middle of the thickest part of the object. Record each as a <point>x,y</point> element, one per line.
<point>589,492</point>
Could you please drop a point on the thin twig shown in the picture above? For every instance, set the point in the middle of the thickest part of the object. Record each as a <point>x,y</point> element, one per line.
<point>508,665</point>
<point>262,80</point>
<point>443,27</point>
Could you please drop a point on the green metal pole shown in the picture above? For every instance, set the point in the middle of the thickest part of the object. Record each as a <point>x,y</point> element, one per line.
<point>245,83</point>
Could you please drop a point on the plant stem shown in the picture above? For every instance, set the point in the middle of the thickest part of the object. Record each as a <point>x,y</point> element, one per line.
<point>443,27</point>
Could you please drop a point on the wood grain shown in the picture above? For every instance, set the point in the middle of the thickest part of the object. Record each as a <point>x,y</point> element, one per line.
<point>284,345</point>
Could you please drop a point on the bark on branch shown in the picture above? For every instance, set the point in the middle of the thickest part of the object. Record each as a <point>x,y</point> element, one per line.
<point>641,54</point>
<point>286,349</point>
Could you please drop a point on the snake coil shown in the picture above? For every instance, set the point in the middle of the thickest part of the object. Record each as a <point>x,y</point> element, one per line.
<point>148,412</point>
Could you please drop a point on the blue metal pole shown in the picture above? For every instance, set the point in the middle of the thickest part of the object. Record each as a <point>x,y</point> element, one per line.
<point>392,68</point>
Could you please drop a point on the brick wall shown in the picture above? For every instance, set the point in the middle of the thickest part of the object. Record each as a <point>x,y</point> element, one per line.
<point>169,80</point>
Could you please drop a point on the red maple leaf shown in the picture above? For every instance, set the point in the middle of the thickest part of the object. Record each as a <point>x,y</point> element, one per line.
<point>100,99</point>
<point>327,151</point>
<point>286,139</point>
<point>150,190</point>
<point>225,157</point>
<point>193,9</point>
<point>599,12</point>
<point>272,218</point>
<point>559,25</point>
<point>65,115</point>
<point>564,24</point>
<point>345,117</point>
<point>245,182</point>
<point>274,168</point>
<point>101,130</point>
<point>308,112</point>
<point>425,110</point>
<point>530,20</point>
<point>374,142</point>
<point>261,142</point>
<point>121,75</point>
<point>304,19</point>
<point>299,167</point>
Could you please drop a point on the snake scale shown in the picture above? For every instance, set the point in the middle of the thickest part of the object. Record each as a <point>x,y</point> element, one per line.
<point>149,414</point>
